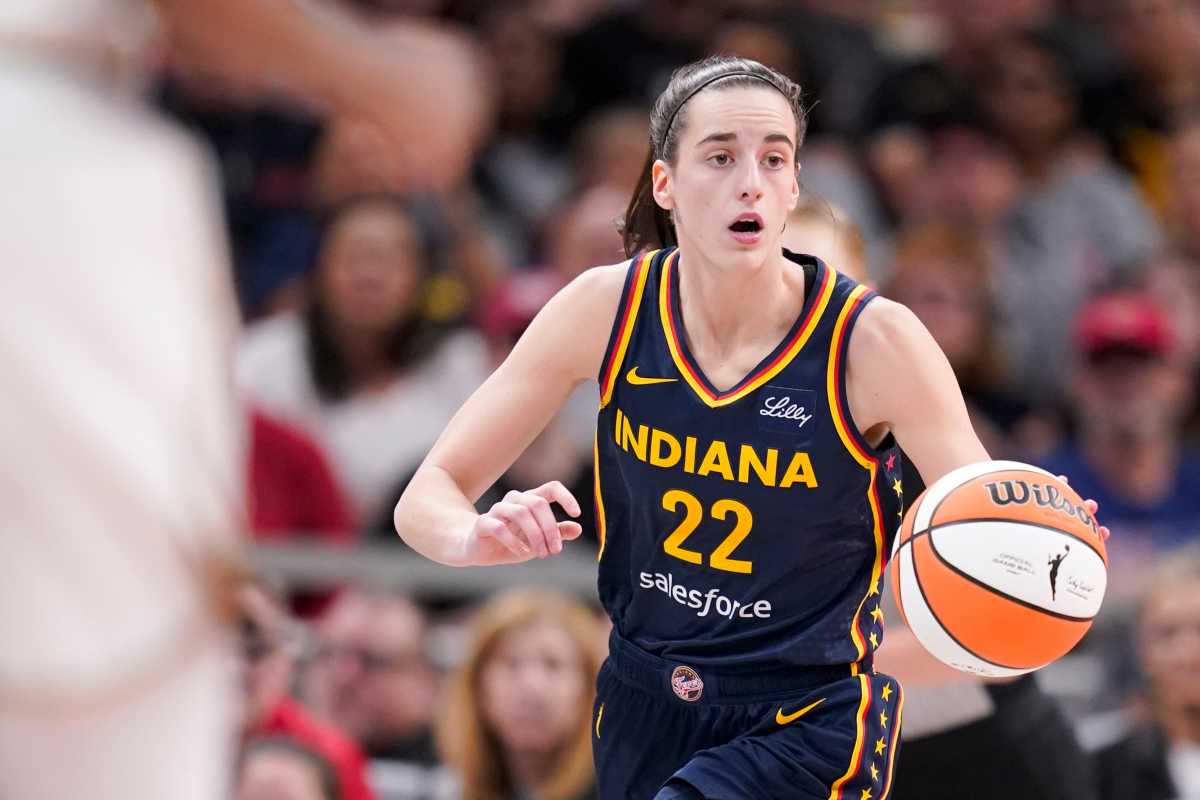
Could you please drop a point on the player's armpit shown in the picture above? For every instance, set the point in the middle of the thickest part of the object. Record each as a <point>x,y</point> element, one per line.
<point>897,375</point>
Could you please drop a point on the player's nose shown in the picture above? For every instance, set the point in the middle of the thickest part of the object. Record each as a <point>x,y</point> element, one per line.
<point>750,181</point>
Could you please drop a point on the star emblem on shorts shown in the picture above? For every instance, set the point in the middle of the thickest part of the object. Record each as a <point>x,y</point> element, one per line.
<point>876,614</point>
<point>866,794</point>
<point>887,692</point>
<point>880,746</point>
<point>874,772</point>
<point>874,639</point>
<point>883,719</point>
<point>891,462</point>
<point>874,588</point>
<point>897,487</point>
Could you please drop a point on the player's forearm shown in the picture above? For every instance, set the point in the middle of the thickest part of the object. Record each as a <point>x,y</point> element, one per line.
<point>435,518</point>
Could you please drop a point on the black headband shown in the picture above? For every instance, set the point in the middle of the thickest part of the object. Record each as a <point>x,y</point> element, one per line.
<point>739,73</point>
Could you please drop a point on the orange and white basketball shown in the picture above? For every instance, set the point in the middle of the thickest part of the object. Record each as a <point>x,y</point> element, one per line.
<point>999,568</point>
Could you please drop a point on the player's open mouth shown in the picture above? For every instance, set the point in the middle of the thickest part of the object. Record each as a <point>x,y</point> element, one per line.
<point>747,228</point>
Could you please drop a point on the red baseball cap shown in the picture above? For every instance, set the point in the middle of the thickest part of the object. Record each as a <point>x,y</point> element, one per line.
<point>1123,320</point>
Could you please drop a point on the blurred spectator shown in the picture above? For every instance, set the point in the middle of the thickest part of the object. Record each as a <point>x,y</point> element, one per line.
<point>282,769</point>
<point>373,678</point>
<point>1185,176</point>
<point>1160,758</point>
<point>364,369</point>
<point>293,491</point>
<point>1160,84</point>
<point>1173,280</point>
<point>820,228</point>
<point>610,148</point>
<point>522,173</point>
<point>585,234</point>
<point>653,38</point>
<point>269,646</point>
<point>518,720</point>
<point>1129,394</point>
<point>944,275</point>
<point>1077,222</point>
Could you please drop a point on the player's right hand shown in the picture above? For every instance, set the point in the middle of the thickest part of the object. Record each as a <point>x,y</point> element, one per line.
<point>522,526</point>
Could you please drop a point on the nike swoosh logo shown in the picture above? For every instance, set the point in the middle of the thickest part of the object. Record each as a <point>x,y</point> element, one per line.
<point>638,380</point>
<point>784,719</point>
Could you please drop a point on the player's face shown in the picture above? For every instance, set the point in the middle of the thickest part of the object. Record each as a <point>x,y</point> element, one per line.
<point>1170,644</point>
<point>533,688</point>
<point>733,183</point>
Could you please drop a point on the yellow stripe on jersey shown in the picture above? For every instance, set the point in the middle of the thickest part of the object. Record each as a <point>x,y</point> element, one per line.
<point>860,732</point>
<point>612,369</point>
<point>601,523</point>
<point>671,332</point>
<point>842,423</point>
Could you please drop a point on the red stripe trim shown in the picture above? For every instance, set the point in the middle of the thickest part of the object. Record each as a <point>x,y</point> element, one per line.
<point>837,366</point>
<point>627,314</point>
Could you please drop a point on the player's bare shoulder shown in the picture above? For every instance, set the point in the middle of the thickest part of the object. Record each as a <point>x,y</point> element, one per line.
<point>884,331</point>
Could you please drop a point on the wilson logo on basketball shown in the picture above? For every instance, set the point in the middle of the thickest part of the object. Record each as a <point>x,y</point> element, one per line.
<point>1007,492</point>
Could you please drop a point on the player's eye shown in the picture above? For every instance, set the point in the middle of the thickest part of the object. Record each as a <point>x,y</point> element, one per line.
<point>774,161</point>
<point>720,159</point>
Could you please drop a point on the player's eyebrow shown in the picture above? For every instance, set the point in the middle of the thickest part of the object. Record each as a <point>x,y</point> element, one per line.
<point>730,136</point>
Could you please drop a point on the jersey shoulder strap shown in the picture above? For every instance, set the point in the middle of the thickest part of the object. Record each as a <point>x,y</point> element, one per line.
<point>622,329</point>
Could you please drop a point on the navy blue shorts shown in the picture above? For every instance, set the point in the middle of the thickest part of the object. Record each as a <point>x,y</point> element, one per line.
<point>665,729</point>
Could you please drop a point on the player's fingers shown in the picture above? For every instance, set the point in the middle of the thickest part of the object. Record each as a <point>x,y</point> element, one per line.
<point>1064,479</point>
<point>570,530</point>
<point>1092,506</point>
<point>556,492</point>
<point>544,515</point>
<point>498,530</point>
<point>1104,533</point>
<point>521,522</point>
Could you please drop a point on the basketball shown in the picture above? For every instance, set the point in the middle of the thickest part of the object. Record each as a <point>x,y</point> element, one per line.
<point>999,568</point>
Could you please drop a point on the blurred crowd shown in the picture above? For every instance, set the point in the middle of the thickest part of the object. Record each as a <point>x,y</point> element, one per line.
<point>1024,175</point>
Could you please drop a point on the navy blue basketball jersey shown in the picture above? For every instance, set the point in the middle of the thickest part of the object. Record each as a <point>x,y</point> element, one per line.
<point>749,525</point>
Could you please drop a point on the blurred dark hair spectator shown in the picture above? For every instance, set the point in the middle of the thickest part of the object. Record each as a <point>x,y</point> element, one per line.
<point>1158,85</point>
<point>270,642</point>
<point>1129,394</point>
<point>364,370</point>
<point>1159,758</point>
<point>518,718</point>
<point>372,676</point>
<point>280,768</point>
<point>1078,223</point>
<point>522,173</point>
<point>652,38</point>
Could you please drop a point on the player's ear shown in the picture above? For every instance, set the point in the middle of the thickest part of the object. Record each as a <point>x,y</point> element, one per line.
<point>794,200</point>
<point>661,184</point>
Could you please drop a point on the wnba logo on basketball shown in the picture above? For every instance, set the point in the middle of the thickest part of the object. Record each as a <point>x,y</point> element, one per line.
<point>1004,493</point>
<point>686,684</point>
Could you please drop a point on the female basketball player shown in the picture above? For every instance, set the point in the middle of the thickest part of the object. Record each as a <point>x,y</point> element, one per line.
<point>747,472</point>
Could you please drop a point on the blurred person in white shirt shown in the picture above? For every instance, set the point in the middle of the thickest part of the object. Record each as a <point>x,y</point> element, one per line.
<point>121,492</point>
